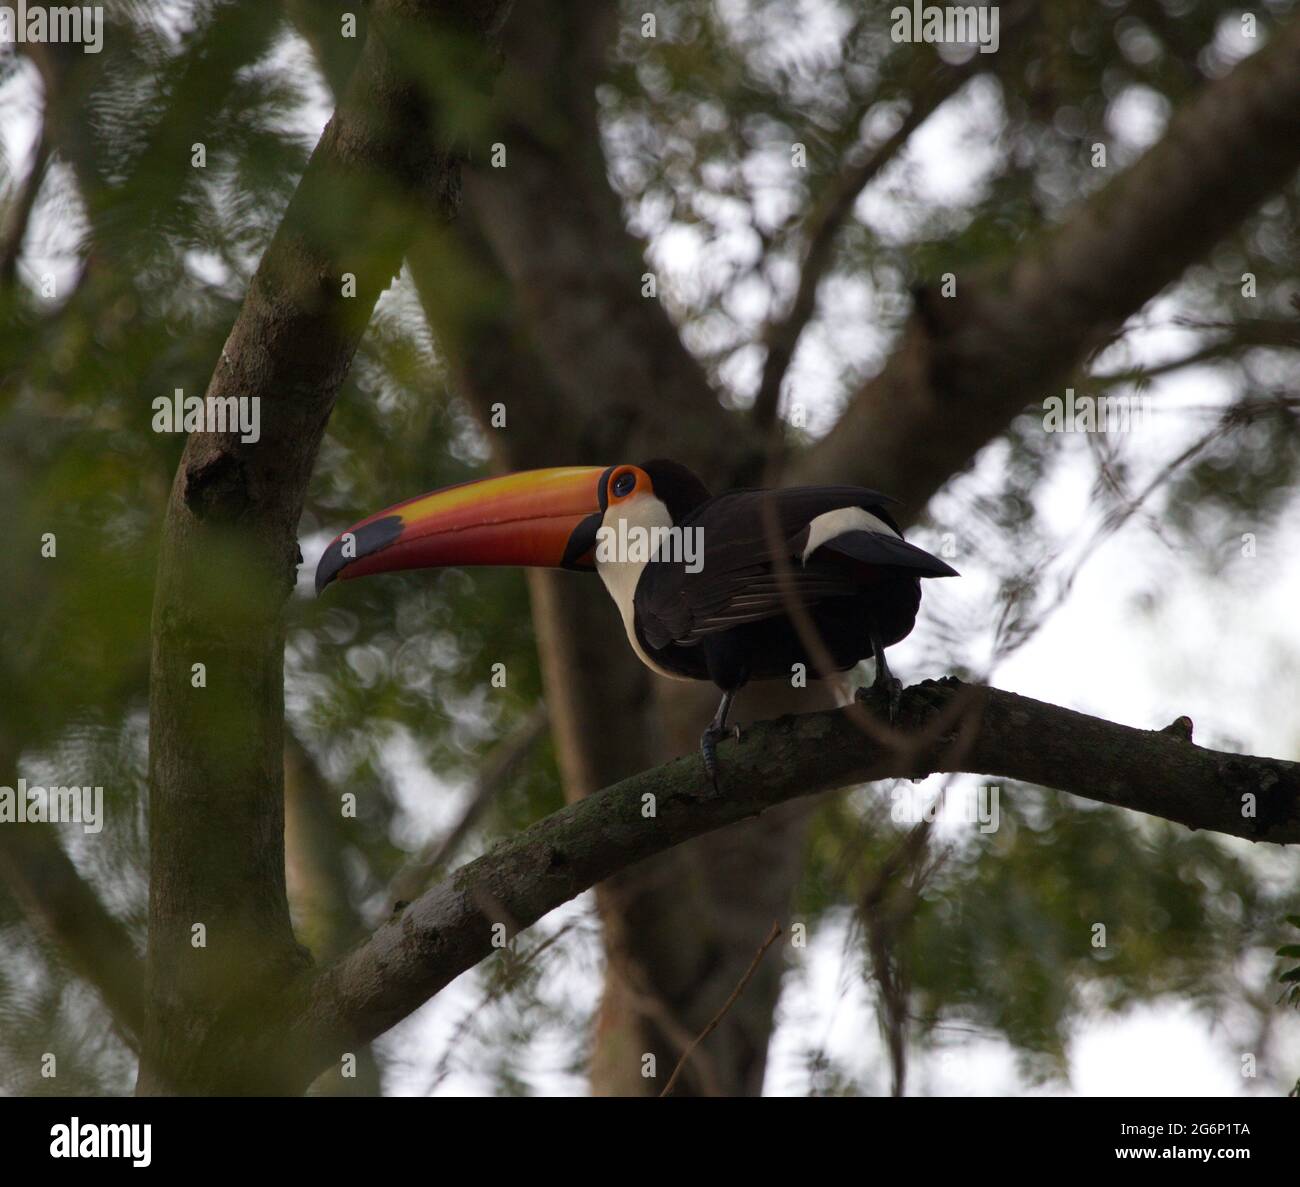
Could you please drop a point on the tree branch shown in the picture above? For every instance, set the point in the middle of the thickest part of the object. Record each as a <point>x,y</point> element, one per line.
<point>499,769</point>
<point>824,222</point>
<point>228,549</point>
<point>772,937</point>
<point>1276,333</point>
<point>447,930</point>
<point>57,900</point>
<point>559,235</point>
<point>966,366</point>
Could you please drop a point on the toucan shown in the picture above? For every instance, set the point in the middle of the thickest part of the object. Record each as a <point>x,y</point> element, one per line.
<point>728,588</point>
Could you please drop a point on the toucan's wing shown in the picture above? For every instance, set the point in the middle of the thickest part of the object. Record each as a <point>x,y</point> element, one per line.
<point>876,548</point>
<point>752,560</point>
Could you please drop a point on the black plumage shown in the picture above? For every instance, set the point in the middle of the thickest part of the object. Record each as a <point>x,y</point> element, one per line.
<point>730,621</point>
<point>760,603</point>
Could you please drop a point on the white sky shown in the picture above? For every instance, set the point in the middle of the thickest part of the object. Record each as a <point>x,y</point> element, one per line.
<point>1093,654</point>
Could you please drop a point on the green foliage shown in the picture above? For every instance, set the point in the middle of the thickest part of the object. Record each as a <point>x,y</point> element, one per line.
<point>146,294</point>
<point>153,256</point>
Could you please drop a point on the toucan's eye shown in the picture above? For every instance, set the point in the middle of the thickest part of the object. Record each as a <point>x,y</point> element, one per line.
<point>624,484</point>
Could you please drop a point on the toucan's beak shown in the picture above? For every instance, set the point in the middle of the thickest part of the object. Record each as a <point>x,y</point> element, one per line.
<point>545,518</point>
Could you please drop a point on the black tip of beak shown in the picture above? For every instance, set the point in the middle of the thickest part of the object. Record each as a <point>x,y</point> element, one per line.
<point>355,543</point>
<point>581,543</point>
<point>327,569</point>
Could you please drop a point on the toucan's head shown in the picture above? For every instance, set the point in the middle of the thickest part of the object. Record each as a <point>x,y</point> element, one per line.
<point>543,518</point>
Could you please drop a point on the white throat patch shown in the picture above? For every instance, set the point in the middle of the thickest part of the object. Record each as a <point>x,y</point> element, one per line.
<point>621,574</point>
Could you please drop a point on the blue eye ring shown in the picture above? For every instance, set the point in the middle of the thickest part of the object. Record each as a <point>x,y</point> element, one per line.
<point>624,484</point>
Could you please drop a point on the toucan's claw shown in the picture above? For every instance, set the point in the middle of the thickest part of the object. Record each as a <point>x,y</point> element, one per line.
<point>709,748</point>
<point>887,688</point>
<point>717,729</point>
<point>894,691</point>
<point>885,679</point>
<point>709,752</point>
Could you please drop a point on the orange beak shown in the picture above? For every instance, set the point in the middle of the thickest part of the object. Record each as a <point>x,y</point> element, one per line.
<point>543,518</point>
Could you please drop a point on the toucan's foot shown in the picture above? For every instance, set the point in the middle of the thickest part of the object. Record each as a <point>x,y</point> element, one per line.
<point>894,693</point>
<point>709,752</point>
<point>887,687</point>
<point>711,736</point>
<point>709,749</point>
<point>885,682</point>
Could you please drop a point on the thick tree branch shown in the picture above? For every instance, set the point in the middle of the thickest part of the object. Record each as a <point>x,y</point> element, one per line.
<point>449,929</point>
<point>968,365</point>
<point>228,547</point>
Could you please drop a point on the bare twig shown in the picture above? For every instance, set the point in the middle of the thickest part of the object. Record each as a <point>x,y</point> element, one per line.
<point>772,937</point>
<point>643,997</point>
<point>888,909</point>
<point>500,768</point>
<point>823,225</point>
<point>1278,333</point>
<point>515,967</point>
<point>1242,413</point>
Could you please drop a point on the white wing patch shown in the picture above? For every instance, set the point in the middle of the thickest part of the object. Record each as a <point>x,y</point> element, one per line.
<point>830,524</point>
